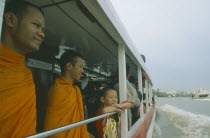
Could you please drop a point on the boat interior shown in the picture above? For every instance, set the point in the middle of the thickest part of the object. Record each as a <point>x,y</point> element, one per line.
<point>84,27</point>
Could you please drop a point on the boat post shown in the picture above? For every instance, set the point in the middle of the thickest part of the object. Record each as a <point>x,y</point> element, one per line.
<point>146,93</point>
<point>122,88</point>
<point>150,93</point>
<point>141,91</point>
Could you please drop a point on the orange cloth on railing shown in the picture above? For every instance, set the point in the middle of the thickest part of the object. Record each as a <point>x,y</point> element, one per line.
<point>17,96</point>
<point>65,107</point>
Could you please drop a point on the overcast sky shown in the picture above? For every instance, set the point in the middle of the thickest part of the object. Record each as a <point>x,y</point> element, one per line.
<point>174,35</point>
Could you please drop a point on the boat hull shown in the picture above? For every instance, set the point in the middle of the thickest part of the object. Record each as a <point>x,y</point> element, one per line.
<point>144,126</point>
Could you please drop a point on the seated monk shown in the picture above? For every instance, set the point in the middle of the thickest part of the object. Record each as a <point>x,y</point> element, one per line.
<point>65,104</point>
<point>20,35</point>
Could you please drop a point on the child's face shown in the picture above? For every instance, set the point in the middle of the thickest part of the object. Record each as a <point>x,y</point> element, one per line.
<point>110,98</point>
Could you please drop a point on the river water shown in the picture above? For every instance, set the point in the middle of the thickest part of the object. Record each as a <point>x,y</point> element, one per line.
<point>182,118</point>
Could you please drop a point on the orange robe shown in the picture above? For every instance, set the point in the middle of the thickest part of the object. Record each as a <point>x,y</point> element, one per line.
<point>17,96</point>
<point>65,107</point>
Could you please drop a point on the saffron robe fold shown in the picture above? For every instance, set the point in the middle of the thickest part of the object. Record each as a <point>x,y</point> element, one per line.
<point>65,107</point>
<point>17,96</point>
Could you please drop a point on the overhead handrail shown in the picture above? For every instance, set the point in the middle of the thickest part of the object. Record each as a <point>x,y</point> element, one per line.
<point>67,127</point>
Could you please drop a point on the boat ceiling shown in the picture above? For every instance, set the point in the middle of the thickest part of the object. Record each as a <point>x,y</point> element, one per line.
<point>70,24</point>
<point>65,22</point>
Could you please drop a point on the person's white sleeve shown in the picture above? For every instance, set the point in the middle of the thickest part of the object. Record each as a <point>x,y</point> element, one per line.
<point>132,95</point>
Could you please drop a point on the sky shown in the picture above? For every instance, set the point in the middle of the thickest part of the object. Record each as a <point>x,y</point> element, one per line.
<point>174,35</point>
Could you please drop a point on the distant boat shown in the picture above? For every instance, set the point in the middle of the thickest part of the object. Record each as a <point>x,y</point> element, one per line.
<point>201,95</point>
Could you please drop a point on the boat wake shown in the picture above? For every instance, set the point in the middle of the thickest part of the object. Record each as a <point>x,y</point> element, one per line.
<point>207,99</point>
<point>190,125</point>
<point>157,132</point>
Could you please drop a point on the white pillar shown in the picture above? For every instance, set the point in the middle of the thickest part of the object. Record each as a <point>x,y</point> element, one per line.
<point>141,90</point>
<point>150,93</point>
<point>2,4</point>
<point>146,93</point>
<point>122,88</point>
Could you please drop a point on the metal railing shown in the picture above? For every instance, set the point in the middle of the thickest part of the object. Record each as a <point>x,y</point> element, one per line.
<point>67,127</point>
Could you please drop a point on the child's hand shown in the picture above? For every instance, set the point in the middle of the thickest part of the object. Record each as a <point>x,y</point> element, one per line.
<point>120,106</point>
<point>117,110</point>
<point>109,109</point>
<point>124,105</point>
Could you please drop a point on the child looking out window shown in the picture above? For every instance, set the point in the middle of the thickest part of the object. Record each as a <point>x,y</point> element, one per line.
<point>109,127</point>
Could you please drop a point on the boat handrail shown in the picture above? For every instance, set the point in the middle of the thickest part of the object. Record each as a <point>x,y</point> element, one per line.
<point>67,127</point>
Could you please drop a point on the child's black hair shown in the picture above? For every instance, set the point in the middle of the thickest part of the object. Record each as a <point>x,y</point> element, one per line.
<point>105,90</point>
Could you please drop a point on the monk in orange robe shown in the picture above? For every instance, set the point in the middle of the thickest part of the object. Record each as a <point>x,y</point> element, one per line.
<point>65,100</point>
<point>17,90</point>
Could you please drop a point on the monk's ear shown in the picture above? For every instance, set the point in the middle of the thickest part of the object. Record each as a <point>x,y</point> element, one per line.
<point>102,99</point>
<point>69,66</point>
<point>10,19</point>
